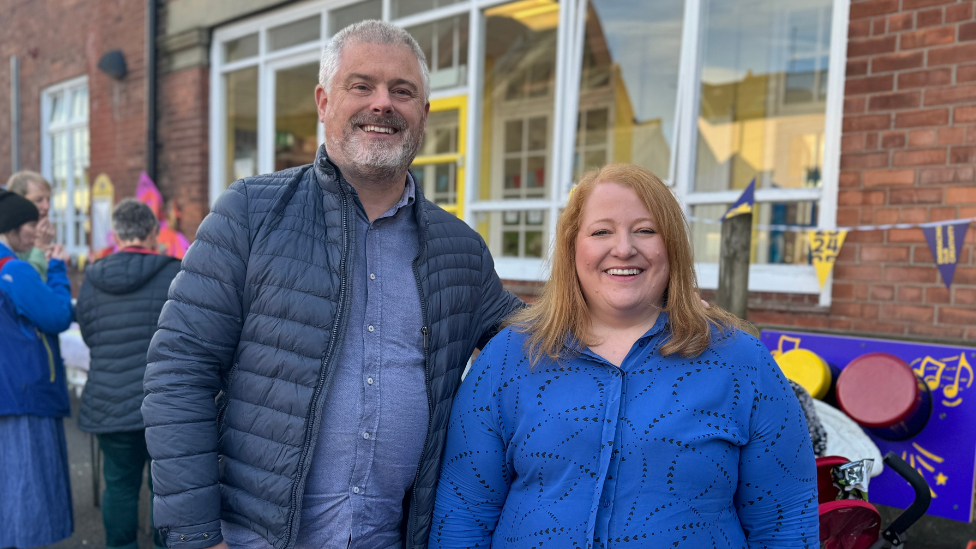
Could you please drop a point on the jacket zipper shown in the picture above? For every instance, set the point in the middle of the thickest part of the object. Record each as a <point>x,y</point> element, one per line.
<point>223,407</point>
<point>325,361</point>
<point>50,354</point>
<point>411,523</point>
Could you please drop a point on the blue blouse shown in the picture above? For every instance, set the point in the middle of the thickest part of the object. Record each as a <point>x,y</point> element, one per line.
<point>711,451</point>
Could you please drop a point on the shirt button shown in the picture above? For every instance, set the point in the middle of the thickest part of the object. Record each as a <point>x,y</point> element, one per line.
<point>642,343</point>
<point>606,504</point>
<point>355,489</point>
<point>372,276</point>
<point>370,328</point>
<point>369,380</point>
<point>366,436</point>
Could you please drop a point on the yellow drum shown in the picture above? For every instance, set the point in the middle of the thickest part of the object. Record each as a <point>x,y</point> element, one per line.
<point>807,369</point>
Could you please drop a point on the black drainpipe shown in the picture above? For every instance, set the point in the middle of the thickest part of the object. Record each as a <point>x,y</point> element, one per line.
<point>151,89</point>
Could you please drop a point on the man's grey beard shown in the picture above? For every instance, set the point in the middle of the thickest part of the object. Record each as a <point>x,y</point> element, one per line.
<point>374,160</point>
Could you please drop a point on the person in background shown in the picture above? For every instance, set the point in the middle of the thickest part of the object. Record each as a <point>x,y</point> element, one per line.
<point>618,410</point>
<point>118,309</point>
<point>33,187</point>
<point>35,488</point>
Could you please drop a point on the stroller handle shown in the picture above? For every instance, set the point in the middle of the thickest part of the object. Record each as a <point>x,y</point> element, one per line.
<point>923,496</point>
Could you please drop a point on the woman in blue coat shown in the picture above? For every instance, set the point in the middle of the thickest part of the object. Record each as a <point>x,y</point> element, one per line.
<point>34,479</point>
<point>619,411</point>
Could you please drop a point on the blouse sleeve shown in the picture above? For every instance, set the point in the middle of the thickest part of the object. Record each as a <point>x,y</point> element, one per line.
<point>776,497</point>
<point>474,479</point>
<point>47,306</point>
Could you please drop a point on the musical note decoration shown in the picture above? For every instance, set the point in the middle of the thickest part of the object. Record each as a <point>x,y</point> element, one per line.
<point>945,242</point>
<point>947,373</point>
<point>824,248</point>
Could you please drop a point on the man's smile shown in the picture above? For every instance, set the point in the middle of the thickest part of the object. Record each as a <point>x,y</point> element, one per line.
<point>372,128</point>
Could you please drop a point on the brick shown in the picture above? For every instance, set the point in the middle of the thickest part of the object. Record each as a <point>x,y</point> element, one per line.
<point>955,94</point>
<point>856,67</point>
<point>962,155</point>
<point>892,101</point>
<point>871,84</point>
<point>919,157</point>
<point>951,135</point>
<point>885,254</point>
<point>964,296</point>
<point>861,292</point>
<point>965,73</point>
<point>913,119</point>
<point>929,37</point>
<point>913,236</point>
<point>959,12</point>
<point>913,215</point>
<point>863,160</point>
<point>910,294</point>
<point>928,18</point>
<point>915,196</point>
<point>854,105</point>
<point>871,46</point>
<point>892,140</point>
<point>878,327</point>
<point>879,26</point>
<point>937,176</point>
<point>963,114</point>
<point>913,4</point>
<point>960,195</point>
<point>855,142</point>
<point>884,216</point>
<point>872,8</point>
<point>870,122</point>
<point>964,275</point>
<point>870,141</point>
<point>925,78</point>
<point>950,54</point>
<point>940,332</point>
<point>957,315</point>
<point>879,293</point>
<point>971,134</point>
<point>936,294</point>
<point>848,216</point>
<point>967,32</point>
<point>909,274</point>
<point>944,213</point>
<point>857,272</point>
<point>921,138</point>
<point>911,313</point>
<point>901,22</point>
<point>898,61</point>
<point>842,291</point>
<point>850,179</point>
<point>885,178</point>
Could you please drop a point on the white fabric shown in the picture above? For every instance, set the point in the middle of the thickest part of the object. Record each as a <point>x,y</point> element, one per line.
<point>846,438</point>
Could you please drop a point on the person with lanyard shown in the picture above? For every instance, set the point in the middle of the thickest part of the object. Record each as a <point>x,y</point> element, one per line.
<point>34,474</point>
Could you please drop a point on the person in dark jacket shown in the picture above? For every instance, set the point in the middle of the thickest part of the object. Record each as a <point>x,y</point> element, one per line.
<point>118,310</point>
<point>35,488</point>
<point>331,310</point>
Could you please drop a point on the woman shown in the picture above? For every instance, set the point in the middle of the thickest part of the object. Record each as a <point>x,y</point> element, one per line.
<point>34,481</point>
<point>619,410</point>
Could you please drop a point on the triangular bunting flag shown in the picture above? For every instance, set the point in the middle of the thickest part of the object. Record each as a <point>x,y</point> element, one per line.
<point>745,202</point>
<point>945,241</point>
<point>824,248</point>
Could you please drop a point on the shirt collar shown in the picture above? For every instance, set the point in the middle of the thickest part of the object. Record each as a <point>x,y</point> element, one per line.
<point>407,198</point>
<point>659,326</point>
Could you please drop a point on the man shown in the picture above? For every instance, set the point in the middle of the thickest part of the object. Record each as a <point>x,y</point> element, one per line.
<point>33,187</point>
<point>118,310</point>
<point>332,309</point>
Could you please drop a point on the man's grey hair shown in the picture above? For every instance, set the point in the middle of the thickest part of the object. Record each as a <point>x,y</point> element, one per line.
<point>133,220</point>
<point>370,31</point>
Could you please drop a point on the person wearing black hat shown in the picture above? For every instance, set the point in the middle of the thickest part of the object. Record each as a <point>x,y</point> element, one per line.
<point>34,483</point>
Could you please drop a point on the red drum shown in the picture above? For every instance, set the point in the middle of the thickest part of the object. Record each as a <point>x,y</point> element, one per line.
<point>881,393</point>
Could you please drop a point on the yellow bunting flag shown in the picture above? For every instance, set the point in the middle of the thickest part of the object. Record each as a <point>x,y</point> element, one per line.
<point>824,247</point>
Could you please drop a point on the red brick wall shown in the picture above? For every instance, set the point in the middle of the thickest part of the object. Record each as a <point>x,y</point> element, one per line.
<point>908,156</point>
<point>57,40</point>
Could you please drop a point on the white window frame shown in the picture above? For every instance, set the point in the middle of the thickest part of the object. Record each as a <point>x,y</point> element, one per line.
<point>569,58</point>
<point>65,226</point>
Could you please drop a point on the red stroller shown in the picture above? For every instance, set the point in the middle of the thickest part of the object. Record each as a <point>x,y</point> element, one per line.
<point>855,523</point>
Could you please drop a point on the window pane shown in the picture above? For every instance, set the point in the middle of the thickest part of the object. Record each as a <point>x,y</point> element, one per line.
<point>515,233</point>
<point>629,84</point>
<point>439,180</point>
<point>762,108</point>
<point>445,44</point>
<point>771,243</point>
<point>403,8</point>
<point>241,103</point>
<point>241,48</point>
<point>519,83</point>
<point>296,116</point>
<point>343,17</point>
<point>292,34</point>
<point>79,105</point>
<point>59,108</point>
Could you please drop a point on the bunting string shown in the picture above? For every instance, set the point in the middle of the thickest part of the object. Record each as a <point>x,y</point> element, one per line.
<point>805,228</point>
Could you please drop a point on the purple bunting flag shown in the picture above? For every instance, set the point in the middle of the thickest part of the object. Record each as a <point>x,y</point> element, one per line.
<point>945,241</point>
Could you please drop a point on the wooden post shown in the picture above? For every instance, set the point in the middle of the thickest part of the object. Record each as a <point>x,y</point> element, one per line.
<point>733,265</point>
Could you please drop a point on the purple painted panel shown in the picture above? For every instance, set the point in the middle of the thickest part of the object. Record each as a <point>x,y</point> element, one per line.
<point>944,452</point>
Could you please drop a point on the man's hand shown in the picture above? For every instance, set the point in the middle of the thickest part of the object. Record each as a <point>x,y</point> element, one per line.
<point>45,234</point>
<point>56,251</point>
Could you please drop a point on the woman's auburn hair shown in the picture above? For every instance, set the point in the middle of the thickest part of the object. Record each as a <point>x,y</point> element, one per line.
<point>558,323</point>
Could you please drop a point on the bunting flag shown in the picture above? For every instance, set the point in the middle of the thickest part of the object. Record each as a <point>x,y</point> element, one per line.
<point>824,248</point>
<point>745,202</point>
<point>945,241</point>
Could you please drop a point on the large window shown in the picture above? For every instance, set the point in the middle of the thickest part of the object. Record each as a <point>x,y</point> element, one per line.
<point>529,94</point>
<point>65,160</point>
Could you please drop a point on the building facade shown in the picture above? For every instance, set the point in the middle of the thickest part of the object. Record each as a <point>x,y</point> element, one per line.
<point>845,113</point>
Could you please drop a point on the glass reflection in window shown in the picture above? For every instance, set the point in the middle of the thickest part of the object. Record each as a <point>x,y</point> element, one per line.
<point>772,243</point>
<point>445,44</point>
<point>343,17</point>
<point>241,102</point>
<point>296,116</point>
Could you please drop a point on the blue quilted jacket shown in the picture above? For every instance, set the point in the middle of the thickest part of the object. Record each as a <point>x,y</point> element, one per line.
<point>247,340</point>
